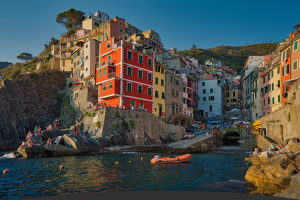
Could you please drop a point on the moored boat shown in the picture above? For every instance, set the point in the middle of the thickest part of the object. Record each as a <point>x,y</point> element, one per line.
<point>176,159</point>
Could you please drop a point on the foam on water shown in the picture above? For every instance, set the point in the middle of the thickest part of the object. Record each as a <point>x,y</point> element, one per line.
<point>8,155</point>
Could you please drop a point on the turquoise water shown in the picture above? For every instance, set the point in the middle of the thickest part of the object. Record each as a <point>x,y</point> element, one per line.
<point>38,177</point>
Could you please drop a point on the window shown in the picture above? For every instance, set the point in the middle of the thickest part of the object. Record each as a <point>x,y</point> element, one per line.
<point>283,71</point>
<point>104,71</point>
<point>162,82</point>
<point>63,63</point>
<point>162,70</point>
<point>210,108</point>
<point>211,98</point>
<point>173,108</point>
<point>287,68</point>
<point>173,92</point>
<point>121,31</point>
<point>129,71</point>
<point>149,62</point>
<point>149,77</point>
<point>140,89</point>
<point>264,79</point>
<point>233,93</point>
<point>156,80</point>
<point>149,91</point>
<point>156,93</point>
<point>278,98</point>
<point>176,93</point>
<point>272,86</point>
<point>278,70</point>
<point>141,59</point>
<point>99,74</point>
<point>129,55</point>
<point>268,77</point>
<point>268,100</point>
<point>296,45</point>
<point>108,45</point>
<point>140,74</point>
<point>110,85</point>
<point>264,102</point>
<point>99,37</point>
<point>172,79</point>
<point>177,82</point>
<point>71,61</point>
<point>121,23</point>
<point>106,35</point>
<point>87,57</point>
<point>203,83</point>
<point>204,91</point>
<point>105,26</point>
<point>278,83</point>
<point>184,90</point>
<point>104,87</point>
<point>163,95</point>
<point>272,100</point>
<point>295,65</point>
<point>129,87</point>
<point>227,87</point>
<point>211,90</point>
<point>228,94</point>
<point>204,98</point>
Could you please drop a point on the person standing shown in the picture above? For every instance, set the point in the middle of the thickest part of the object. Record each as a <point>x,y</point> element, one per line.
<point>56,124</point>
<point>84,135</point>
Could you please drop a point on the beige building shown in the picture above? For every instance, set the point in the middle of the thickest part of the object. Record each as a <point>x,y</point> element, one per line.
<point>275,77</point>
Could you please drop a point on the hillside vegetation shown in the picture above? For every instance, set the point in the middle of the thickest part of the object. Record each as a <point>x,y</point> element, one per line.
<point>232,56</point>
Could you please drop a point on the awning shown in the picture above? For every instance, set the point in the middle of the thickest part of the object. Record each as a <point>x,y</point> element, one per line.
<point>78,83</point>
<point>289,83</point>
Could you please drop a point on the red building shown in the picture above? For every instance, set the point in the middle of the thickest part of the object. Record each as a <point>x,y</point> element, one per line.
<point>125,75</point>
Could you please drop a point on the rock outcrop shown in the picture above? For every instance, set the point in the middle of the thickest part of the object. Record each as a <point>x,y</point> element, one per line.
<point>26,103</point>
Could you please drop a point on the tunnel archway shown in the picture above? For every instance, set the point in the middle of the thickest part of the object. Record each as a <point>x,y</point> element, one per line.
<point>231,139</point>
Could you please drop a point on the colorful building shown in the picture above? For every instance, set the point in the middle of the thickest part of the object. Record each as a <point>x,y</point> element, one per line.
<point>160,90</point>
<point>275,93</point>
<point>125,75</point>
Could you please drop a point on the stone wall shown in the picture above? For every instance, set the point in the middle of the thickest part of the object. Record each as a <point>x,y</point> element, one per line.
<point>249,140</point>
<point>147,125</point>
<point>283,124</point>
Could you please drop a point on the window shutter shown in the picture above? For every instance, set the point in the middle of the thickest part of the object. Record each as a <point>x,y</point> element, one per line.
<point>287,68</point>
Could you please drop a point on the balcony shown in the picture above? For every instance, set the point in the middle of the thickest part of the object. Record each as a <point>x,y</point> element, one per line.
<point>254,89</point>
<point>106,62</point>
<point>113,75</point>
<point>64,56</point>
<point>240,96</point>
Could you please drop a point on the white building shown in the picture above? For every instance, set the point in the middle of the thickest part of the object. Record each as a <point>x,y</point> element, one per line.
<point>212,97</point>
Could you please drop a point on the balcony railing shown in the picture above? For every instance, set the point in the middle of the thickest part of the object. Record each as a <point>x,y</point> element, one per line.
<point>107,62</point>
<point>113,75</point>
<point>254,89</point>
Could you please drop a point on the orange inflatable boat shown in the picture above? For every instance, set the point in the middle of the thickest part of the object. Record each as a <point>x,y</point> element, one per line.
<point>176,159</point>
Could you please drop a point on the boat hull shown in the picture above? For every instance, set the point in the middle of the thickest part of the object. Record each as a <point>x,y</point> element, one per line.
<point>176,159</point>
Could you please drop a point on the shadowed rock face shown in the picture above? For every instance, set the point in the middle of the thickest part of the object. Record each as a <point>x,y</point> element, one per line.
<point>26,103</point>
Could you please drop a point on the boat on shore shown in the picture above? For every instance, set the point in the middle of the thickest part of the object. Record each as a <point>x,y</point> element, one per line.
<point>176,159</point>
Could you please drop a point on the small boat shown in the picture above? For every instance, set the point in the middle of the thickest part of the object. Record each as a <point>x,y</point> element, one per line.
<point>176,159</point>
<point>189,136</point>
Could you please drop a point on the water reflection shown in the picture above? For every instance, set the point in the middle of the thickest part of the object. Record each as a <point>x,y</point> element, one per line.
<point>98,173</point>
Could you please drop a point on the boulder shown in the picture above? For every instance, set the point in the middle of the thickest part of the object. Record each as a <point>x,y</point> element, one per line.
<point>271,169</point>
<point>293,191</point>
<point>293,146</point>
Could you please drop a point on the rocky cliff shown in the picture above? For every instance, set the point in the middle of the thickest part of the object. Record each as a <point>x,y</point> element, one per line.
<point>29,102</point>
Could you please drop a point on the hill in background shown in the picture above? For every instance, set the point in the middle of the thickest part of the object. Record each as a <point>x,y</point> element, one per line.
<point>4,64</point>
<point>232,56</point>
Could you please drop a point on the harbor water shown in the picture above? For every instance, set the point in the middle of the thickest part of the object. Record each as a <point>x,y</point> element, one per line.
<point>39,177</point>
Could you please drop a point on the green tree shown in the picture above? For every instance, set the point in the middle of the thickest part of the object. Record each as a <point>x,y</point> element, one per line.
<point>71,18</point>
<point>194,47</point>
<point>25,57</point>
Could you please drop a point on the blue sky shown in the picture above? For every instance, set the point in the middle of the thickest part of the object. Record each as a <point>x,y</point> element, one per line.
<point>25,26</point>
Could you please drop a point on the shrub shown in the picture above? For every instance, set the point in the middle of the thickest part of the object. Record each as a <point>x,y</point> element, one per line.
<point>107,115</point>
<point>132,123</point>
<point>118,114</point>
<point>93,114</point>
<point>115,125</point>
<point>98,124</point>
<point>89,114</point>
<point>86,113</point>
<point>124,123</point>
<point>34,76</point>
<point>15,74</point>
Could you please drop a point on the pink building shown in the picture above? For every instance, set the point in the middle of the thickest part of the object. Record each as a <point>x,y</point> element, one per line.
<point>265,92</point>
<point>230,69</point>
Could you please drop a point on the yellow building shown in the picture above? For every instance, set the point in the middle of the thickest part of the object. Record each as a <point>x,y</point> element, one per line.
<point>159,90</point>
<point>275,77</point>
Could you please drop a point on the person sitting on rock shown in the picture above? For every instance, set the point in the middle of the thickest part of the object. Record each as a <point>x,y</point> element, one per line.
<point>296,140</point>
<point>30,143</point>
<point>279,146</point>
<point>255,152</point>
<point>74,130</point>
<point>49,142</point>
<point>272,147</point>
